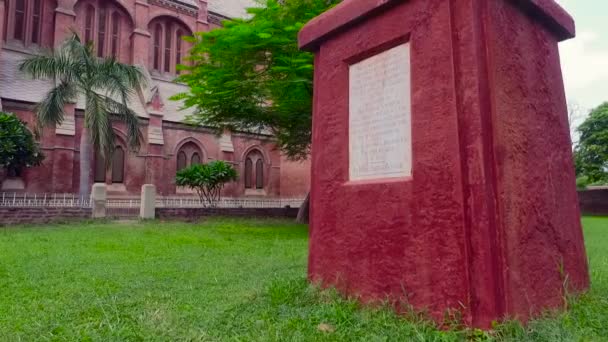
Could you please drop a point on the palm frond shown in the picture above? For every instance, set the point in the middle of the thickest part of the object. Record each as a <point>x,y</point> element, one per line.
<point>51,110</point>
<point>48,66</point>
<point>117,80</point>
<point>131,120</point>
<point>97,120</point>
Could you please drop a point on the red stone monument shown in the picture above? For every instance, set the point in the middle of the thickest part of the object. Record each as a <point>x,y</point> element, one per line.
<point>442,166</point>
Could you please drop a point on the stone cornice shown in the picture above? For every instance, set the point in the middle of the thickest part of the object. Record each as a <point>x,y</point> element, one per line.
<point>216,18</point>
<point>177,6</point>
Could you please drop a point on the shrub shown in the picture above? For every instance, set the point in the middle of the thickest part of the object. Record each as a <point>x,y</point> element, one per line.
<point>207,180</point>
<point>18,148</point>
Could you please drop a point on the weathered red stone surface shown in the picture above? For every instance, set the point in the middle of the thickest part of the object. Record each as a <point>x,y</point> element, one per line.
<point>489,222</point>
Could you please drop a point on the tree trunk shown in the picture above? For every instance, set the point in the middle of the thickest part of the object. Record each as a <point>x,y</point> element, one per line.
<point>86,152</point>
<point>304,212</point>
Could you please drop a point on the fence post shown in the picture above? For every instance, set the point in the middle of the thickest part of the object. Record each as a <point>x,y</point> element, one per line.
<point>98,199</point>
<point>148,202</point>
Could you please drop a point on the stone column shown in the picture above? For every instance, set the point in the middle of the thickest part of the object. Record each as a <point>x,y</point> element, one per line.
<point>202,25</point>
<point>148,202</point>
<point>2,24</point>
<point>141,36</point>
<point>98,200</point>
<point>64,20</point>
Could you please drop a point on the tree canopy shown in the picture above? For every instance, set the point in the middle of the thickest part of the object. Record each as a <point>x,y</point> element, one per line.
<point>591,153</point>
<point>18,149</point>
<point>251,76</point>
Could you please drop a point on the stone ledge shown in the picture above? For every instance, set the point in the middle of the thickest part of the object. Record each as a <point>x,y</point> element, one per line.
<point>351,12</point>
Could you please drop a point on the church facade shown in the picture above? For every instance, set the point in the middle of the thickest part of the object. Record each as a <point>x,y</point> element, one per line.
<point>146,33</point>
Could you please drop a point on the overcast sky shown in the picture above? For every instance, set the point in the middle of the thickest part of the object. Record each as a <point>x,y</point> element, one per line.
<point>585,58</point>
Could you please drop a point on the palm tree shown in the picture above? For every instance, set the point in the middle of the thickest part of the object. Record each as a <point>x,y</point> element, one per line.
<point>106,87</point>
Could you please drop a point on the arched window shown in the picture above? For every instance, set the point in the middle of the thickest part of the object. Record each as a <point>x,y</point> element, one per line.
<point>254,170</point>
<point>178,49</point>
<point>115,31</point>
<point>19,28</point>
<point>100,168</point>
<point>196,159</point>
<point>24,21</point>
<point>181,160</point>
<point>118,165</point>
<point>101,31</point>
<point>248,173</point>
<point>259,174</point>
<point>103,23</point>
<point>88,24</point>
<point>158,31</point>
<point>36,21</point>
<point>169,47</point>
<point>189,154</point>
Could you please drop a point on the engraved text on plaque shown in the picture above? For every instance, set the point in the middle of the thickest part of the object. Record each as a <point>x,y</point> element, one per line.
<point>380,136</point>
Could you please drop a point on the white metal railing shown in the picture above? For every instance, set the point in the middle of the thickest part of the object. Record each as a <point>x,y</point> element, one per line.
<point>13,199</point>
<point>17,200</point>
<point>228,202</point>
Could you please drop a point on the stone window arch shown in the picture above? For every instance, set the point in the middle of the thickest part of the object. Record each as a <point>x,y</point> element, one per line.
<point>101,23</point>
<point>169,47</point>
<point>189,154</point>
<point>24,21</point>
<point>254,170</point>
<point>116,173</point>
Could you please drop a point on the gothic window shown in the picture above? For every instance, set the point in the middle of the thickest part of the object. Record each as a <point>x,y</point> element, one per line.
<point>19,30</point>
<point>248,173</point>
<point>196,159</point>
<point>36,14</point>
<point>101,32</point>
<point>254,177</point>
<point>118,165</point>
<point>178,48</point>
<point>259,174</point>
<point>100,168</point>
<point>167,50</point>
<point>101,23</point>
<point>115,31</point>
<point>158,31</point>
<point>24,21</point>
<point>88,26</point>
<point>169,46</point>
<point>189,154</point>
<point>182,160</point>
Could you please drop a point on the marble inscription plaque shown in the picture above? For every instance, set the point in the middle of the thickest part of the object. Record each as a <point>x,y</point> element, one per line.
<point>380,139</point>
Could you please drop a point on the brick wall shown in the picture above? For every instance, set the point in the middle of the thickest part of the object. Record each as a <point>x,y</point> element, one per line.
<point>594,202</point>
<point>189,214</point>
<point>11,216</point>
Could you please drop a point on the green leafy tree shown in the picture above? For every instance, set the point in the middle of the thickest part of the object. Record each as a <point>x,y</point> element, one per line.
<point>591,153</point>
<point>106,87</point>
<point>251,76</point>
<point>207,180</point>
<point>18,148</point>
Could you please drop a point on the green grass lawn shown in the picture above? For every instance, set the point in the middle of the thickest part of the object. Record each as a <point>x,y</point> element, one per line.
<point>224,279</point>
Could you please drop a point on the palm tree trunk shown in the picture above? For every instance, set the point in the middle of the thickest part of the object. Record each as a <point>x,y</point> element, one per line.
<point>304,212</point>
<point>86,152</point>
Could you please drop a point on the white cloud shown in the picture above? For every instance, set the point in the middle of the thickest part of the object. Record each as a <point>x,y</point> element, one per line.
<point>583,64</point>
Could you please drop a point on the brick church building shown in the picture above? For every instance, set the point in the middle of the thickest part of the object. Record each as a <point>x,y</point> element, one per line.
<point>144,33</point>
